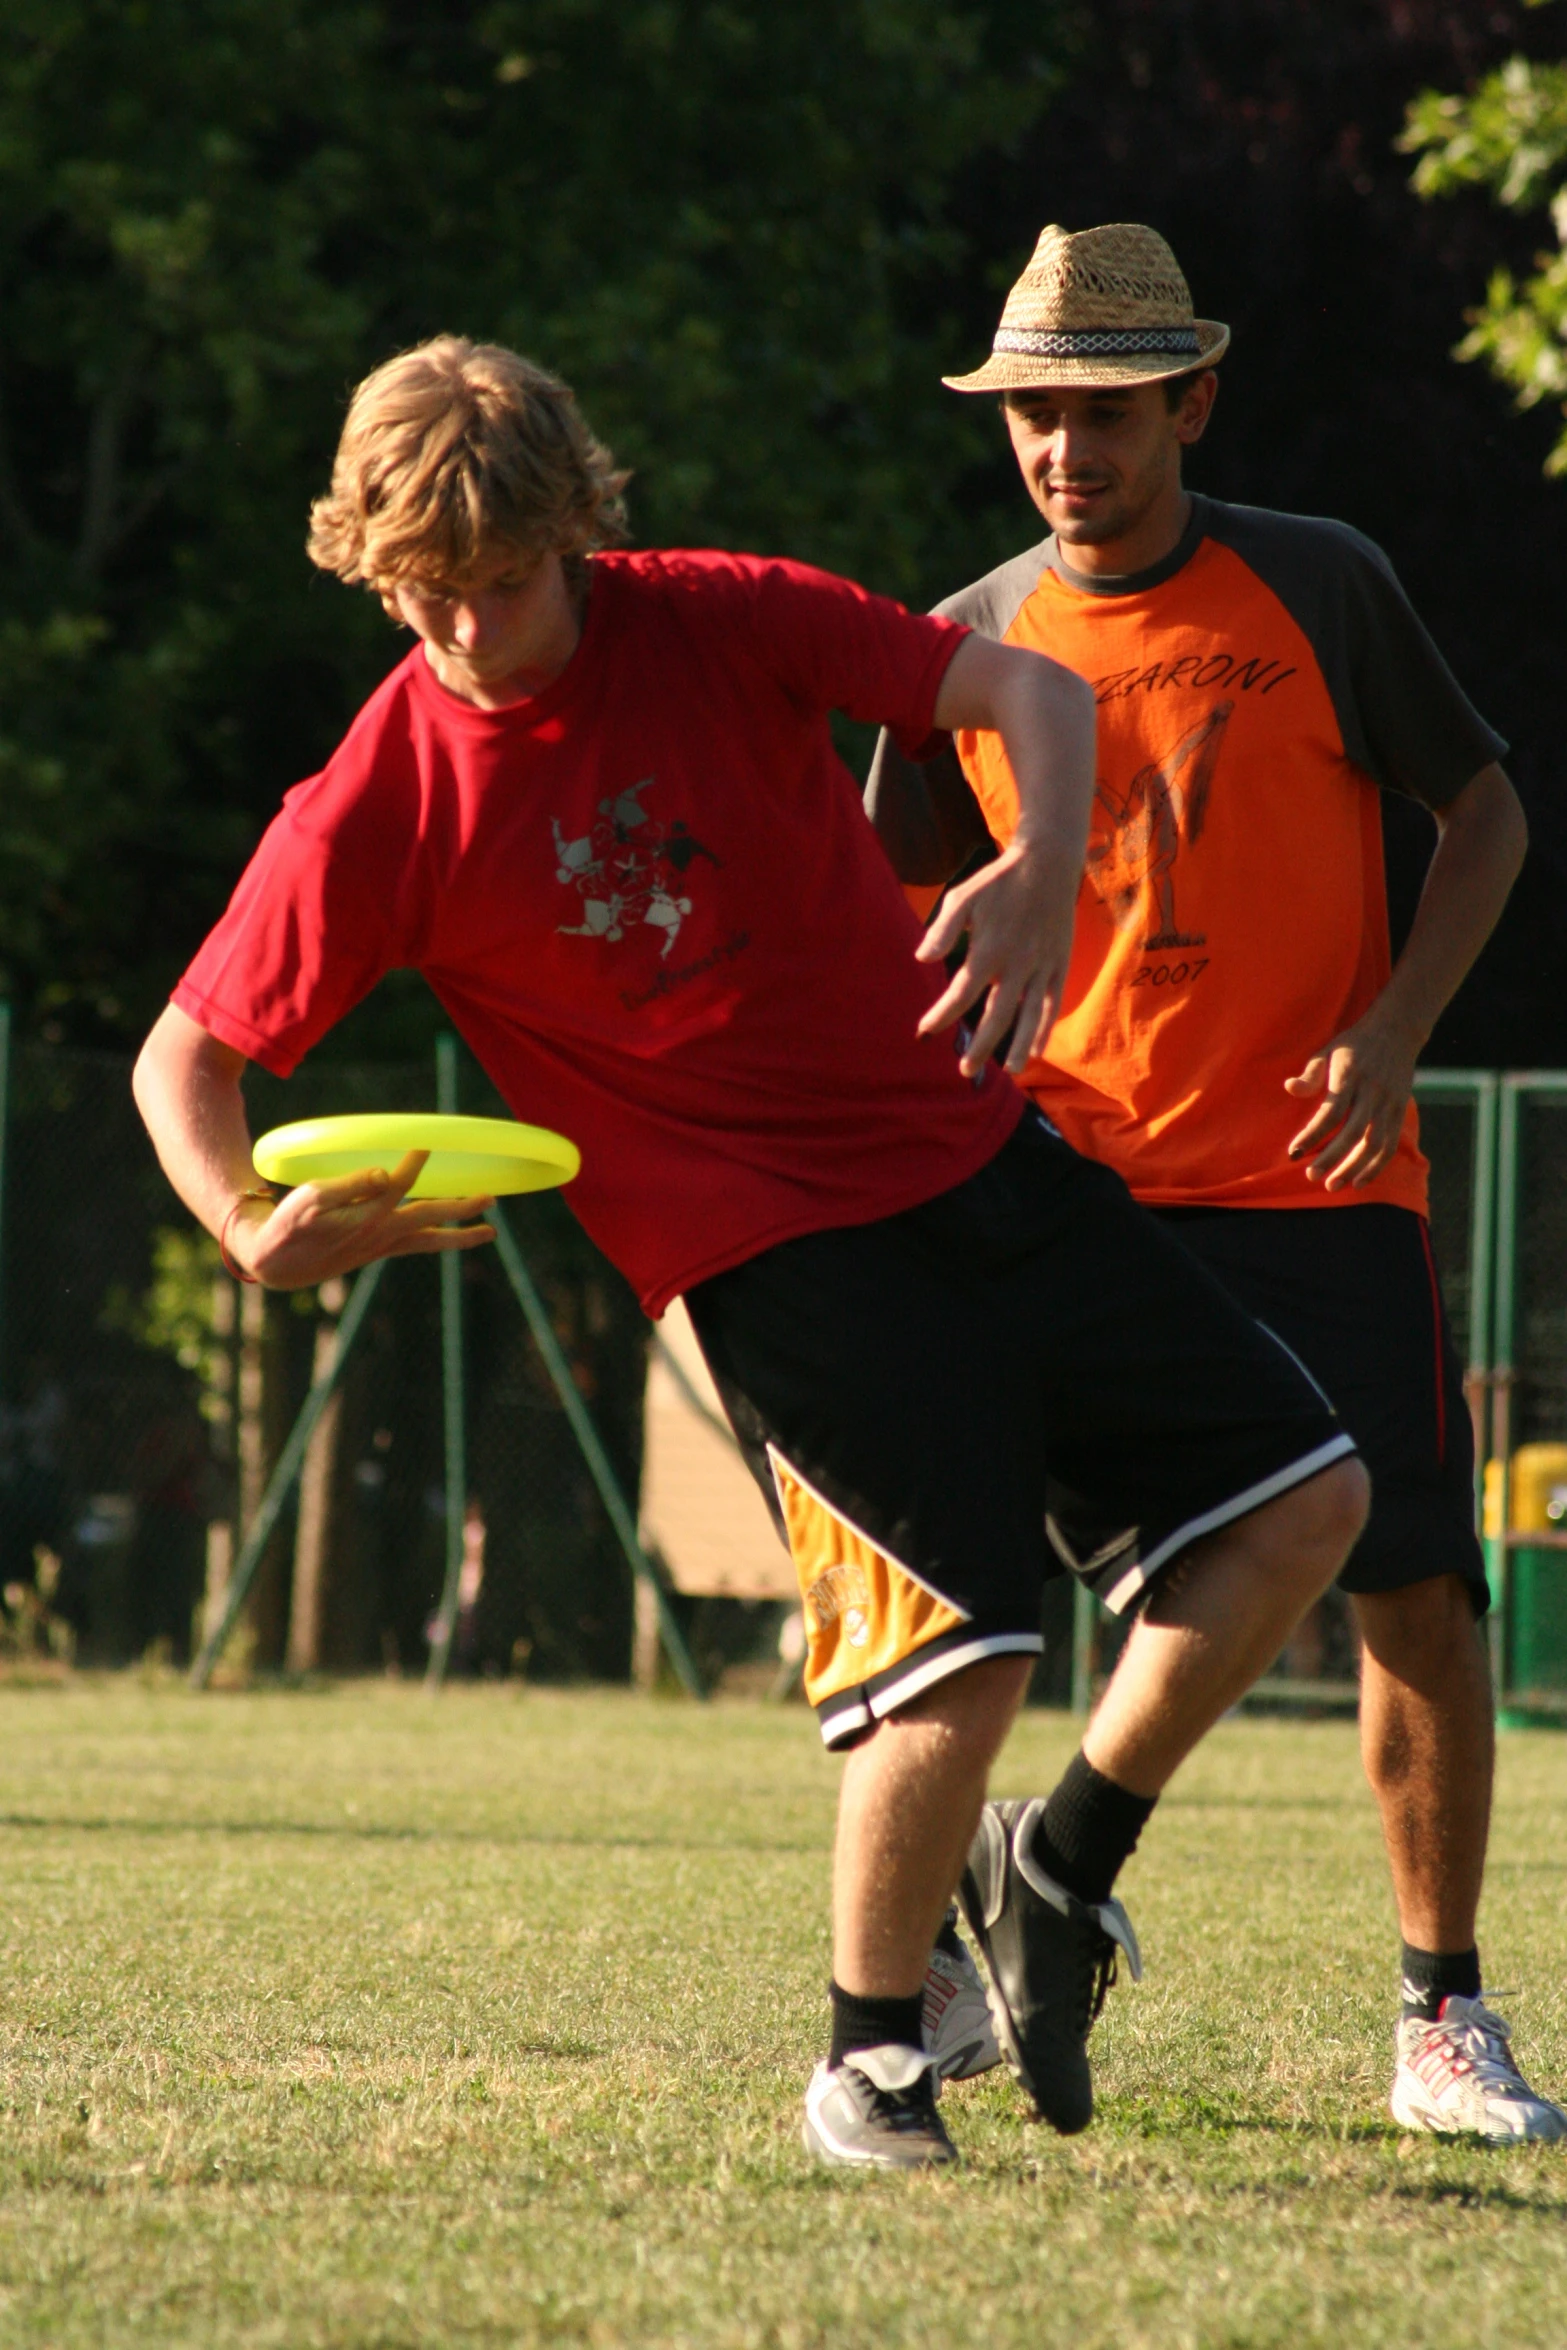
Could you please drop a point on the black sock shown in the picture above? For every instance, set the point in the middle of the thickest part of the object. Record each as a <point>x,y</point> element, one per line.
<point>871,2023</point>
<point>1089,1828</point>
<point>1430,1976</point>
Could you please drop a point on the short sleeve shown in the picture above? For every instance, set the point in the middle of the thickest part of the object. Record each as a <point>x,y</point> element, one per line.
<point>834,646</point>
<point>923,811</point>
<point>1409,723</point>
<point>307,933</point>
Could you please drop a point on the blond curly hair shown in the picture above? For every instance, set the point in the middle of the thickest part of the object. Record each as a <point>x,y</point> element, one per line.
<point>455,453</point>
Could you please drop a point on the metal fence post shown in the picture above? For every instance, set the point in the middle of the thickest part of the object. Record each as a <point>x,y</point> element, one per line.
<point>1482,1271</point>
<point>598,1461</point>
<point>1504,1313</point>
<point>5,1124</point>
<point>281,1483</point>
<point>453,1401</point>
<point>1083,1611</point>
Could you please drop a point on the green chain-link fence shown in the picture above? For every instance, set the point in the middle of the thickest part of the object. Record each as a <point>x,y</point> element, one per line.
<point>1458,1127</point>
<point>145,1400</point>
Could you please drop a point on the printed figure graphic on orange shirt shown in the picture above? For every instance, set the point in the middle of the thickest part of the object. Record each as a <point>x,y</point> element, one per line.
<point>1147,828</point>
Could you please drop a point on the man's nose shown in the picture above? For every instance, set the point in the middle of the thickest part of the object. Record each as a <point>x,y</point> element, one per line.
<point>468,626</point>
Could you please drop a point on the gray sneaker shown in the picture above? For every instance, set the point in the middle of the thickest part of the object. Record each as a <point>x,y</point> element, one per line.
<point>1052,1958</point>
<point>959,2032</point>
<point>1457,2077</point>
<point>876,2110</point>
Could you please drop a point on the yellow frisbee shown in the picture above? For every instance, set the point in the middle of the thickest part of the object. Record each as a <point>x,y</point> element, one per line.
<point>470,1158</point>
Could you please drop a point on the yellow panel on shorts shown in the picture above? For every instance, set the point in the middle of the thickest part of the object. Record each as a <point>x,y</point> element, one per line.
<point>863,1612</point>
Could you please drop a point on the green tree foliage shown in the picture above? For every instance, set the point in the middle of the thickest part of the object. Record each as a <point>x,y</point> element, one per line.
<point>729,225</point>
<point>1509,136</point>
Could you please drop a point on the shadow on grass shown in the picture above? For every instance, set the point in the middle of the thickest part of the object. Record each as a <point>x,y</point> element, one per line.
<point>1353,1801</point>
<point>366,1831</point>
<point>1486,2198</point>
<point>1189,2117</point>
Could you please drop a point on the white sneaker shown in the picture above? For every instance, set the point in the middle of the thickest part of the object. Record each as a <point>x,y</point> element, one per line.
<point>1457,2077</point>
<point>956,2014</point>
<point>877,2111</point>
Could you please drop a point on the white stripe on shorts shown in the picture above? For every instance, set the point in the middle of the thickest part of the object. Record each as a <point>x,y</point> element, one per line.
<point>1122,1592</point>
<point>921,1673</point>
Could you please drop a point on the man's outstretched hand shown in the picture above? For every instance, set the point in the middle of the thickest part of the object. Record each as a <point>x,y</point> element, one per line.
<point>321,1229</point>
<point>1364,1079</point>
<point>1017,914</point>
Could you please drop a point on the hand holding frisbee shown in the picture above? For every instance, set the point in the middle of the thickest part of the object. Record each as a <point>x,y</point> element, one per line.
<point>400,1185</point>
<point>464,1158</point>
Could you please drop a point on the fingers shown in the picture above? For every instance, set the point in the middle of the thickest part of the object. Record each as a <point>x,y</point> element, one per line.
<point>452,1236</point>
<point>997,1017</point>
<point>369,1185</point>
<point>1036,1016</point>
<point>954,1000</point>
<point>1367,1134</point>
<point>1355,1155</point>
<point>1334,1111</point>
<point>429,1212</point>
<point>320,1230</point>
<point>945,932</point>
<point>1311,1078</point>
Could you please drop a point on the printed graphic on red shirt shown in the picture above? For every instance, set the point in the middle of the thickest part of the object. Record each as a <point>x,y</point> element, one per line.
<point>629,869</point>
<point>645,897</point>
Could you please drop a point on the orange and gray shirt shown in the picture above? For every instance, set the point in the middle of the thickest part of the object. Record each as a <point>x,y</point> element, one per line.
<point>1254,690</point>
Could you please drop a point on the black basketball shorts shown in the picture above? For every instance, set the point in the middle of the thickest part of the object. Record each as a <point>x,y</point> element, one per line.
<point>1025,1375</point>
<point>1354,1291</point>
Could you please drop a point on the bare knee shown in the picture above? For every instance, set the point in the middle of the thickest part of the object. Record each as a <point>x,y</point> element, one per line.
<point>970,1711</point>
<point>1422,1629</point>
<point>1315,1526</point>
<point>1340,1503</point>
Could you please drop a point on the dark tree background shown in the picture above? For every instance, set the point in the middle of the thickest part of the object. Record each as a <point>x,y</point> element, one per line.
<point>753,236</point>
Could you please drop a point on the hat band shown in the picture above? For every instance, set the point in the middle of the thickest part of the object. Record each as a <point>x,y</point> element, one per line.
<point>1174,342</point>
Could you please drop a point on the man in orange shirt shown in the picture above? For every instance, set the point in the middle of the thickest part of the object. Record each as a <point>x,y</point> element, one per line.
<point>1234,1039</point>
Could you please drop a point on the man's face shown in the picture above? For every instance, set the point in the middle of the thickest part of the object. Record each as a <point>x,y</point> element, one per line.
<point>1097,461</point>
<point>489,627</point>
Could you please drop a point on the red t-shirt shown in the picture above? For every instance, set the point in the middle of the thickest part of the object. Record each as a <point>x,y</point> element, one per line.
<point>651,903</point>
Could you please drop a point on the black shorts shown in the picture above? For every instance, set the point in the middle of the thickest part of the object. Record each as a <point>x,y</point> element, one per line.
<point>1025,1374</point>
<point>1354,1291</point>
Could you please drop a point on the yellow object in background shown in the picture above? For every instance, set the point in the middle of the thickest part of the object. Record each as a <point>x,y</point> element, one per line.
<point>1532,1583</point>
<point>1538,1496</point>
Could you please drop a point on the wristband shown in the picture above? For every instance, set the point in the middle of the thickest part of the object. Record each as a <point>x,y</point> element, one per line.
<point>237,1272</point>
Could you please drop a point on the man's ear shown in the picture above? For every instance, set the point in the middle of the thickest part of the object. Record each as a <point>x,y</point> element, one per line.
<point>1191,418</point>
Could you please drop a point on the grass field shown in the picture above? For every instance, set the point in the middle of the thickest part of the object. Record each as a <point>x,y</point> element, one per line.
<point>353,2019</point>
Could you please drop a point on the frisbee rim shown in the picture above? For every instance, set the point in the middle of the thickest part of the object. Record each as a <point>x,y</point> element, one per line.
<point>383,1137</point>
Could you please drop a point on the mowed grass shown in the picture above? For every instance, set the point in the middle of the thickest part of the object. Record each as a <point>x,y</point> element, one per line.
<point>353,2018</point>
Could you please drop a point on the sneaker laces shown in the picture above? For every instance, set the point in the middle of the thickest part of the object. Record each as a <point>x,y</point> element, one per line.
<point>1477,2042</point>
<point>1097,1972</point>
<point>908,2111</point>
<point>1099,1960</point>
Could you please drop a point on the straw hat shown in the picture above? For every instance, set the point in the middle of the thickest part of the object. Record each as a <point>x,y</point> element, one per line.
<point>1106,306</point>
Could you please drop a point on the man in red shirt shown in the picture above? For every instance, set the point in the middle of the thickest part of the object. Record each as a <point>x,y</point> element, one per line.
<point>598,807</point>
<point>1233,1038</point>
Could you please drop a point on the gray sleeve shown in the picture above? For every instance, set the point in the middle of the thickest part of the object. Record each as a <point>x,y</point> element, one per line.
<point>1416,730</point>
<point>924,814</point>
<point>1403,716</point>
